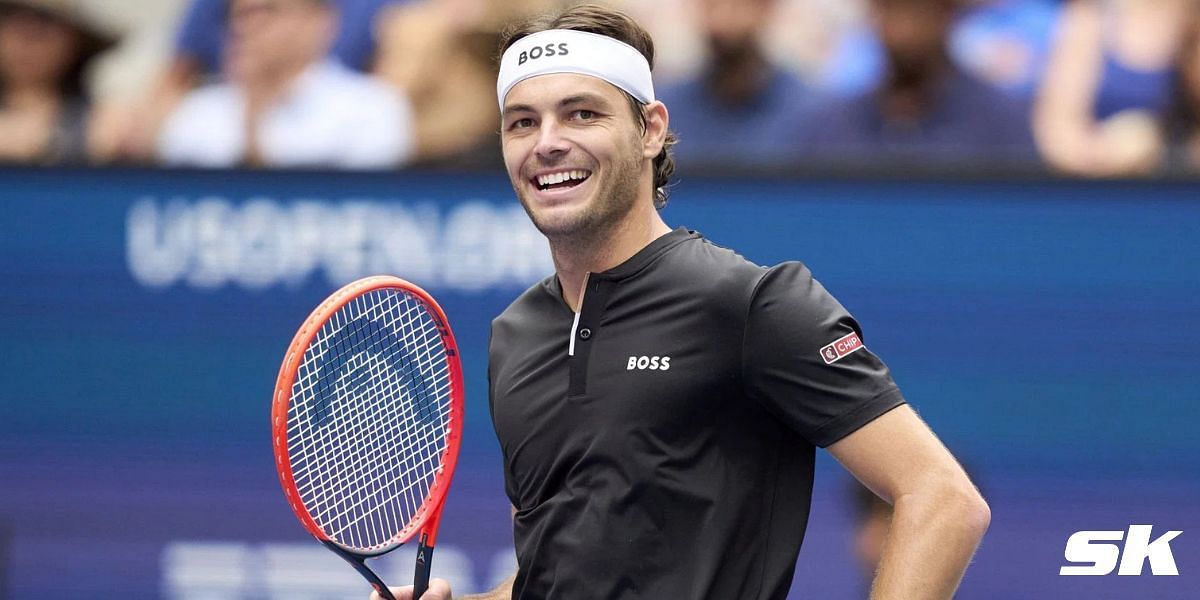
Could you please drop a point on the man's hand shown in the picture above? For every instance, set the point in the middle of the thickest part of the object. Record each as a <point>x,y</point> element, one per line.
<point>439,589</point>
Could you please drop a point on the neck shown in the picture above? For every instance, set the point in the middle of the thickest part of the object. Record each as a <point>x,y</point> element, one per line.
<point>577,255</point>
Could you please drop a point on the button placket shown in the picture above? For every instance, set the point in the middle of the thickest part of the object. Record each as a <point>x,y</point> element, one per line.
<point>591,310</point>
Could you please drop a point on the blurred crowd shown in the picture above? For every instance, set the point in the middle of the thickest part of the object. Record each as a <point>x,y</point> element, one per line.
<point>1083,87</point>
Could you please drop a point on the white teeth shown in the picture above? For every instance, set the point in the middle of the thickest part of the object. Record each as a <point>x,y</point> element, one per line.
<point>553,178</point>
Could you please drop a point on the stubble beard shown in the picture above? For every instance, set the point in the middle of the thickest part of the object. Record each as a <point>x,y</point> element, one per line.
<point>614,199</point>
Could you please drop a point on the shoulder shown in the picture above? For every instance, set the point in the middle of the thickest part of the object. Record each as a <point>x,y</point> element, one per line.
<point>528,309</point>
<point>721,278</point>
<point>791,284</point>
<point>700,255</point>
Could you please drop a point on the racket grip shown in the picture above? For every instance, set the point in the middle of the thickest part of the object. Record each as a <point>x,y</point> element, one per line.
<point>424,561</point>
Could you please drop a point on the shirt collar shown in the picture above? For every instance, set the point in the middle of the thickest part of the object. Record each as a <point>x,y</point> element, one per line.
<point>635,263</point>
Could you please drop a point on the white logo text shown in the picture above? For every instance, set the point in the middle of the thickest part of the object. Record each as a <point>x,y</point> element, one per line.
<point>653,363</point>
<point>1137,548</point>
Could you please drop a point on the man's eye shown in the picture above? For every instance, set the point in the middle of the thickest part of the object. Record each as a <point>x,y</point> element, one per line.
<point>584,114</point>
<point>521,123</point>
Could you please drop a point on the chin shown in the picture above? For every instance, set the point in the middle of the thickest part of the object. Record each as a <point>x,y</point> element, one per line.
<point>556,223</point>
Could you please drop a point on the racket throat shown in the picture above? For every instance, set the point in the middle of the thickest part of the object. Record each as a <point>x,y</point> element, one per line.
<point>360,564</point>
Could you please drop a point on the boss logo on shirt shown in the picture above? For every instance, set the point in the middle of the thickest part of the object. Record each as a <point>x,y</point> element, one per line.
<point>841,348</point>
<point>539,51</point>
<point>652,363</point>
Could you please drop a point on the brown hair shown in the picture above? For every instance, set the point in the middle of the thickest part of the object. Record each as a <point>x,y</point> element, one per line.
<point>602,20</point>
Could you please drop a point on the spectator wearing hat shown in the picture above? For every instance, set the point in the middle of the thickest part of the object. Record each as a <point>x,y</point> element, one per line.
<point>286,104</point>
<point>46,47</point>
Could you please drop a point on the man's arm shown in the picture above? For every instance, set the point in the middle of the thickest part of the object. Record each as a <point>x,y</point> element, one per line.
<point>938,515</point>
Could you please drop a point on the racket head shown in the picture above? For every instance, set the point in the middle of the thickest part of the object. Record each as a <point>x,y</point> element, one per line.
<point>354,468</point>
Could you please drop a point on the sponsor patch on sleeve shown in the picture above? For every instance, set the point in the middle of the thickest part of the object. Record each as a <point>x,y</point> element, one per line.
<point>841,348</point>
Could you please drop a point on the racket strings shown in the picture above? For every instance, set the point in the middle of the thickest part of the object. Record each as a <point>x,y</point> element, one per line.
<point>368,418</point>
<point>355,501</point>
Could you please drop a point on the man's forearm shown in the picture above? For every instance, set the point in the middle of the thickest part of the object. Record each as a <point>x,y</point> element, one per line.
<point>500,592</point>
<point>931,541</point>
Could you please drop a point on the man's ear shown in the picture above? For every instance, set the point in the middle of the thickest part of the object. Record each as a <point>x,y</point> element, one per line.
<point>657,121</point>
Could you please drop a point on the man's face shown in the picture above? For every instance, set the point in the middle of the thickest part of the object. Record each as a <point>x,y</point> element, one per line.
<point>267,37</point>
<point>35,48</point>
<point>913,31</point>
<point>573,150</point>
<point>734,22</point>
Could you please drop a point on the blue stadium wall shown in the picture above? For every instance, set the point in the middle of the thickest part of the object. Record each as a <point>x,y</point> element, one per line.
<point>1049,332</point>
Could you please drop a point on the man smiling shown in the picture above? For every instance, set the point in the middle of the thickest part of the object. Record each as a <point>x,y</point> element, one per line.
<point>659,400</point>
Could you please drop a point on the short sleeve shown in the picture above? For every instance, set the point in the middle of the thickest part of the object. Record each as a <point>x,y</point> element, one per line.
<point>804,359</point>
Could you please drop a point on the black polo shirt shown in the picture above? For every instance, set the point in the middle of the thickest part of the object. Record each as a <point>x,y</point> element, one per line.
<point>661,445</point>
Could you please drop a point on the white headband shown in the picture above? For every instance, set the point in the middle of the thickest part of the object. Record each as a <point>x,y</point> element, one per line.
<point>570,51</point>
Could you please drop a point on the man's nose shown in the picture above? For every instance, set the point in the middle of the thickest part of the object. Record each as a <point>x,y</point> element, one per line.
<point>550,143</point>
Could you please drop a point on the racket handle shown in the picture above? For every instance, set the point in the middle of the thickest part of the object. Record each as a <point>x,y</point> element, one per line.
<point>424,561</point>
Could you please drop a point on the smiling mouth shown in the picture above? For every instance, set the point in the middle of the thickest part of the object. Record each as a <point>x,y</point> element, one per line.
<point>561,180</point>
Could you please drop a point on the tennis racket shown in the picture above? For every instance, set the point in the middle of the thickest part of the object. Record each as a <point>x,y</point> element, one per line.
<point>366,422</point>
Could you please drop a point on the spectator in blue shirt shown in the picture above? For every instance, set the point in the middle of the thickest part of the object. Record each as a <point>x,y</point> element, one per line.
<point>741,109</point>
<point>284,102</point>
<point>200,45</point>
<point>926,109</point>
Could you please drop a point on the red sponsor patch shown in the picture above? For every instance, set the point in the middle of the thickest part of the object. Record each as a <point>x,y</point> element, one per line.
<point>840,348</point>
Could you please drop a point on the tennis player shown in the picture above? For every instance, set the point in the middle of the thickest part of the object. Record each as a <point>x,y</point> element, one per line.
<point>659,400</point>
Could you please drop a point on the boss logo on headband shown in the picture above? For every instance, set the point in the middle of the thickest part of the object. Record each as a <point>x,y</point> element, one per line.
<point>539,51</point>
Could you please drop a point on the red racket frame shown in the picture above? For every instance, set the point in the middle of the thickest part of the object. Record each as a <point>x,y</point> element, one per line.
<point>429,515</point>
